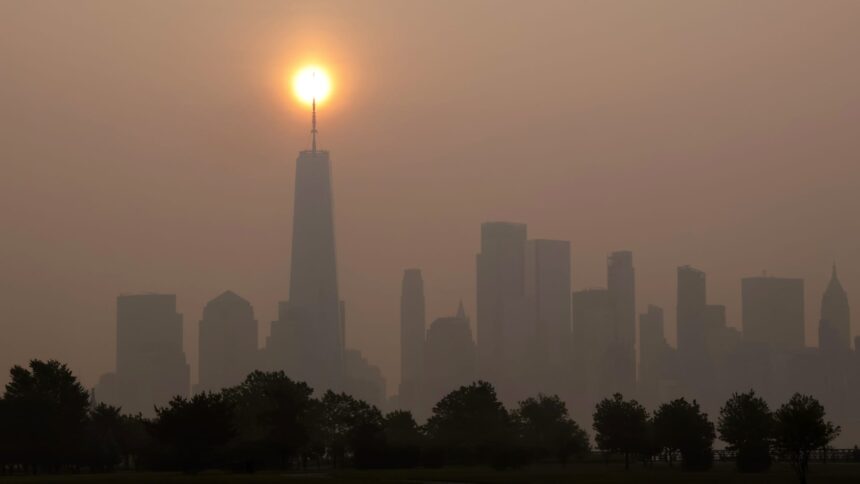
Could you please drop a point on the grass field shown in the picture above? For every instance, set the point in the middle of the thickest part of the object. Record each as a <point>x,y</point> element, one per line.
<point>575,473</point>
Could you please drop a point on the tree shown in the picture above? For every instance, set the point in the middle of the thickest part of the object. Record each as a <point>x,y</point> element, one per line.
<point>547,430</point>
<point>620,426</point>
<point>104,431</point>
<point>746,425</point>
<point>681,426</point>
<point>351,428</point>
<point>272,415</point>
<point>44,416</point>
<point>800,428</point>
<point>194,430</point>
<point>135,440</point>
<point>403,439</point>
<point>470,425</point>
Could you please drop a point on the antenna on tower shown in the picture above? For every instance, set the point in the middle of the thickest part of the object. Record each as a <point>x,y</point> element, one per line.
<point>314,117</point>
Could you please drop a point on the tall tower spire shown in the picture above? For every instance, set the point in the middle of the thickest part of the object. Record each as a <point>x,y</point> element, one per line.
<point>314,122</point>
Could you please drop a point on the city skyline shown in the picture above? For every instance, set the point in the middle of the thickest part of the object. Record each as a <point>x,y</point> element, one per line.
<point>202,249</point>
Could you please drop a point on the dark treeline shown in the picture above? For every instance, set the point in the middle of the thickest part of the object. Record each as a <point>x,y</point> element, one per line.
<point>49,423</point>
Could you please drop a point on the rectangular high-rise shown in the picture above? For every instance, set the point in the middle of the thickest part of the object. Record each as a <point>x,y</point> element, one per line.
<point>548,295</point>
<point>503,329</point>
<point>150,361</point>
<point>412,334</point>
<point>653,354</point>
<point>690,311</point>
<point>592,348</point>
<point>621,287</point>
<point>772,312</point>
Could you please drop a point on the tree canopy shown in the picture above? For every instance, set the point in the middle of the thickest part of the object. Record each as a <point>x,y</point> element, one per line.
<point>44,415</point>
<point>680,426</point>
<point>470,424</point>
<point>547,430</point>
<point>800,427</point>
<point>746,425</point>
<point>195,429</point>
<point>620,426</point>
<point>49,423</point>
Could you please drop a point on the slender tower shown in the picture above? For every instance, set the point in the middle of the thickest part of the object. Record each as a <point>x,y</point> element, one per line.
<point>621,285</point>
<point>309,332</point>
<point>412,332</point>
<point>834,329</point>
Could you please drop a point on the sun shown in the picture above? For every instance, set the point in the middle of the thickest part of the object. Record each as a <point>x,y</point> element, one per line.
<point>311,82</point>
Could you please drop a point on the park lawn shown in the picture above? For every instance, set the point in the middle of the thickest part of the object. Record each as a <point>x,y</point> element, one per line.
<point>583,473</point>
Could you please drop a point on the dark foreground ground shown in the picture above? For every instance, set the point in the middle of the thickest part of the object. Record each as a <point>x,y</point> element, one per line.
<point>575,473</point>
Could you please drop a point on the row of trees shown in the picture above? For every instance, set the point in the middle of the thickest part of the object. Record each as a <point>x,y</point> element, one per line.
<point>48,422</point>
<point>746,424</point>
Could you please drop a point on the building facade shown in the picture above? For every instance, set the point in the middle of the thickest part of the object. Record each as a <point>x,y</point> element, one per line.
<point>227,342</point>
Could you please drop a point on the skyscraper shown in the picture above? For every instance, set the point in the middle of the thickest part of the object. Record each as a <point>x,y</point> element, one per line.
<point>228,342</point>
<point>691,304</point>
<point>449,358</point>
<point>592,335</point>
<point>412,333</point>
<point>548,294</point>
<point>834,330</point>
<point>692,312</point>
<point>621,288</point>
<point>150,361</point>
<point>504,332</point>
<point>364,380</point>
<point>772,312</point>
<point>653,355</point>
<point>307,338</point>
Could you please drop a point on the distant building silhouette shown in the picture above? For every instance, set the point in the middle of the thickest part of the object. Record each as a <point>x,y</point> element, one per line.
<point>772,312</point>
<point>621,286</point>
<point>834,327</point>
<point>150,361</point>
<point>547,285</point>
<point>363,380</point>
<point>692,315</point>
<point>307,338</point>
<point>449,358</point>
<point>227,342</point>
<point>690,319</point>
<point>655,357</point>
<point>834,376</point>
<point>593,337</point>
<point>504,332</point>
<point>412,334</point>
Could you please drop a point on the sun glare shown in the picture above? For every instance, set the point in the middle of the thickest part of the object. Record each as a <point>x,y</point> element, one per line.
<point>311,83</point>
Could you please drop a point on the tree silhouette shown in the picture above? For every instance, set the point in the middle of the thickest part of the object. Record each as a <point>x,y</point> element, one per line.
<point>403,439</point>
<point>44,416</point>
<point>194,430</point>
<point>680,426</point>
<point>351,428</point>
<point>746,424</point>
<point>470,424</point>
<point>272,415</point>
<point>135,439</point>
<point>800,428</point>
<point>620,426</point>
<point>104,434</point>
<point>547,430</point>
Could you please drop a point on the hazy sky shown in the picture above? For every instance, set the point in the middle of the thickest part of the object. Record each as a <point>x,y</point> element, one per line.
<point>149,146</point>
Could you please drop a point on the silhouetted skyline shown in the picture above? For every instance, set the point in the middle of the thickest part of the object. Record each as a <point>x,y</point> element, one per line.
<point>651,130</point>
